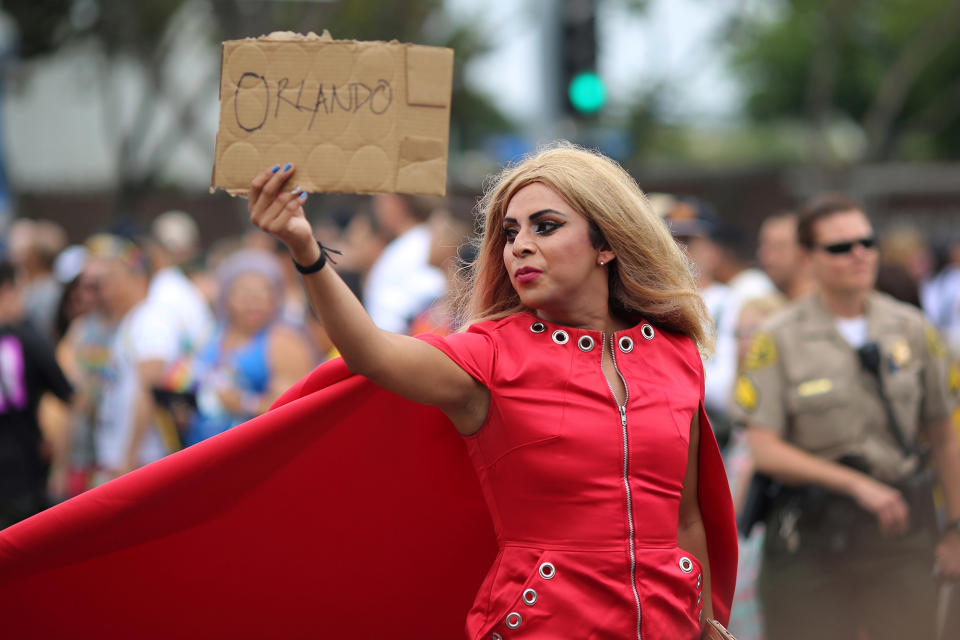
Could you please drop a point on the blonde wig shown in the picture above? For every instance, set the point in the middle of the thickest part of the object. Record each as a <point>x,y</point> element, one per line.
<point>650,277</point>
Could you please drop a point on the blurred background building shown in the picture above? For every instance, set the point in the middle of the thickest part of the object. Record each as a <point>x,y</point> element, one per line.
<point>109,108</point>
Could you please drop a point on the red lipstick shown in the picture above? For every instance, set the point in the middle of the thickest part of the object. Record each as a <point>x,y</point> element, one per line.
<point>526,275</point>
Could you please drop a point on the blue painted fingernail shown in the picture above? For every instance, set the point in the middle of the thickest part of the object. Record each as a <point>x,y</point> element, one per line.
<point>303,195</point>
<point>287,166</point>
<point>276,168</point>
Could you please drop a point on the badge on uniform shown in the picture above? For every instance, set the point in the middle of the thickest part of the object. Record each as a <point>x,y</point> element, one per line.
<point>745,394</point>
<point>899,354</point>
<point>762,353</point>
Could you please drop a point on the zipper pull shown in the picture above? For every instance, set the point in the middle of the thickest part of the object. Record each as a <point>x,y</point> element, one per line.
<point>623,415</point>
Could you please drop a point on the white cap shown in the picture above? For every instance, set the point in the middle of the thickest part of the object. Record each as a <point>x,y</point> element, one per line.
<point>70,263</point>
<point>176,231</point>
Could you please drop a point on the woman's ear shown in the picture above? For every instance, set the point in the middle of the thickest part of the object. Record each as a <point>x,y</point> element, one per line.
<point>605,257</point>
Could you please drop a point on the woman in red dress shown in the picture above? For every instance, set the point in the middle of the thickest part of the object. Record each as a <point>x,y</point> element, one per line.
<point>578,387</point>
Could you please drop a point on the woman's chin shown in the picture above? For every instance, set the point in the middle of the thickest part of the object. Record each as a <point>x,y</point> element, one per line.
<point>531,302</point>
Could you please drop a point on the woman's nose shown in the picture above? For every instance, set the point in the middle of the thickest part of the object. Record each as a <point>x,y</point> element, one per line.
<point>522,243</point>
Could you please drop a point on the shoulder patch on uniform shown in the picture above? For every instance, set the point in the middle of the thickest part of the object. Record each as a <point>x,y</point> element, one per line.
<point>935,346</point>
<point>762,353</point>
<point>953,378</point>
<point>745,394</point>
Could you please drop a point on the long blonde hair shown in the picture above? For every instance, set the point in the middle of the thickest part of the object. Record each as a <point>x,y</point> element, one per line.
<point>650,277</point>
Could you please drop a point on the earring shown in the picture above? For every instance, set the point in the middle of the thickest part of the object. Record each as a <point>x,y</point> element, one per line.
<point>601,263</point>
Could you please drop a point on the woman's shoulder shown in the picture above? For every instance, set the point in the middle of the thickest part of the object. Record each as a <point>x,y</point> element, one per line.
<point>480,347</point>
<point>678,343</point>
<point>500,326</point>
<point>676,338</point>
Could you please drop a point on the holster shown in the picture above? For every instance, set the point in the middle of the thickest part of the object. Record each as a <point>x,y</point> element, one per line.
<point>833,522</point>
<point>917,490</point>
<point>757,502</point>
<point>828,521</point>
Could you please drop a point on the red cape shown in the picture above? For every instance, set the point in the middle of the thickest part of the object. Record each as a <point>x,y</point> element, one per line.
<point>320,518</point>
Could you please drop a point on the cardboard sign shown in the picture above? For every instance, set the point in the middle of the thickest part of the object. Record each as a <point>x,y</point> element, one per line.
<point>355,117</point>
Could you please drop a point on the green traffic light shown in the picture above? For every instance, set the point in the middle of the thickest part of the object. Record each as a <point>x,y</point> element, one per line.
<point>587,93</point>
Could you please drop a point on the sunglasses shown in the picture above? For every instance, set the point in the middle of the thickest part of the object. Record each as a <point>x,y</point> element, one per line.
<point>839,248</point>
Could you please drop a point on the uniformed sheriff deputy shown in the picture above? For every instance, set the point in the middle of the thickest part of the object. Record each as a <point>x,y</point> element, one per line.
<point>845,399</point>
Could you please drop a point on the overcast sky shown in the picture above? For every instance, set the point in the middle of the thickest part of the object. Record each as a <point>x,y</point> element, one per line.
<point>673,41</point>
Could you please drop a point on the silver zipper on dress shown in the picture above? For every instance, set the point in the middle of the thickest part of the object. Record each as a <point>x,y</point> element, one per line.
<point>626,468</point>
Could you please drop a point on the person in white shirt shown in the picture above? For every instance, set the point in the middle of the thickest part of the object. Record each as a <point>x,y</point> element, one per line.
<point>145,343</point>
<point>733,267</point>
<point>693,223</point>
<point>401,282</point>
<point>941,299</point>
<point>174,240</point>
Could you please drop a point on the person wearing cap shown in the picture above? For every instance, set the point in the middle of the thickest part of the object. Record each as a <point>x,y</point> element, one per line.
<point>143,346</point>
<point>693,224</point>
<point>173,241</point>
<point>845,399</point>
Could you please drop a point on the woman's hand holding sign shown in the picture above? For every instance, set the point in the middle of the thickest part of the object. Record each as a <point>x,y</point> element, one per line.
<point>280,213</point>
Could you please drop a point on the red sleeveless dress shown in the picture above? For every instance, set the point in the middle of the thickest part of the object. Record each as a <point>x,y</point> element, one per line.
<point>584,494</point>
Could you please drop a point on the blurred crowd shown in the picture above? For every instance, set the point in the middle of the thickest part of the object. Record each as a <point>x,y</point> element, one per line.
<point>124,348</point>
<point>119,350</point>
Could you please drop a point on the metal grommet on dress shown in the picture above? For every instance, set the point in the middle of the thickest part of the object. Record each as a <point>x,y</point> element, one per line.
<point>547,570</point>
<point>496,636</point>
<point>625,343</point>
<point>646,331</point>
<point>585,343</point>
<point>538,327</point>
<point>699,580</point>
<point>529,597</point>
<point>686,564</point>
<point>560,336</point>
<point>513,620</point>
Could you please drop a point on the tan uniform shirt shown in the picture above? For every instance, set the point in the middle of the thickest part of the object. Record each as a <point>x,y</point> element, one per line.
<point>803,380</point>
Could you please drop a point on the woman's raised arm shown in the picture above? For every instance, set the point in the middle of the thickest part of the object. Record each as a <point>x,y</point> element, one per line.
<point>404,365</point>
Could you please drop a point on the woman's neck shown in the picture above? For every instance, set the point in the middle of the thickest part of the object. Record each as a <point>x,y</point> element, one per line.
<point>606,321</point>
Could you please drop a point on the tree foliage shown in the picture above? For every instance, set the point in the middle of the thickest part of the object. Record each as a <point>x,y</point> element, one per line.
<point>144,32</point>
<point>891,67</point>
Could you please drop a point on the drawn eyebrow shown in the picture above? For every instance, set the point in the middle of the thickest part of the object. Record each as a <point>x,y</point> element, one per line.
<point>537,215</point>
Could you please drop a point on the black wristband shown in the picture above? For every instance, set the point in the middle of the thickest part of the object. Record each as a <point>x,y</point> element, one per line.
<point>320,263</point>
